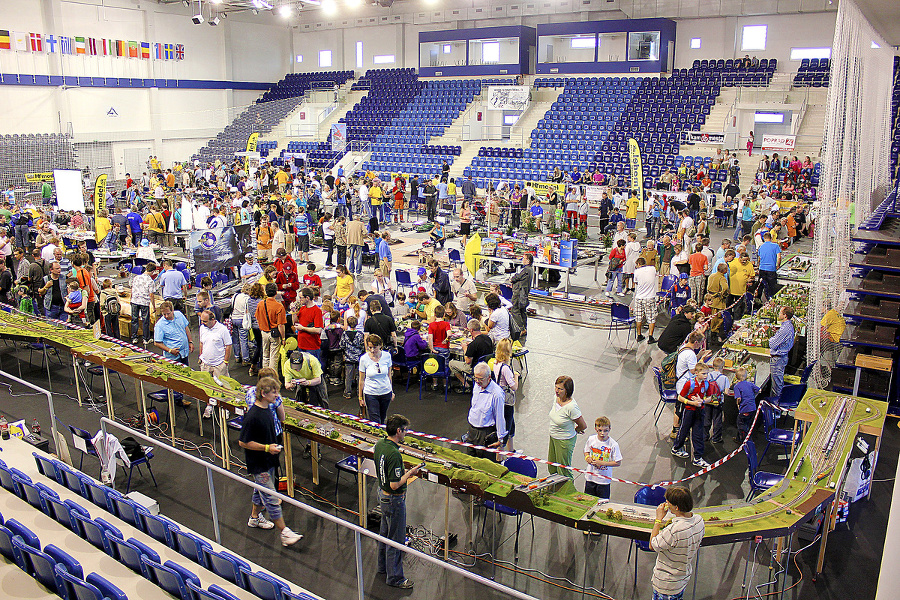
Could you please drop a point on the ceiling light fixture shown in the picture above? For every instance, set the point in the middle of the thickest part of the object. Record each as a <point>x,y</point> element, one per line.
<point>214,21</point>
<point>285,10</point>
<point>329,7</point>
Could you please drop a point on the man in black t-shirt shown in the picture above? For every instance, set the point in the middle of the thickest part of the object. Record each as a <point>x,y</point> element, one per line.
<point>480,345</point>
<point>6,281</point>
<point>380,324</point>
<point>261,450</point>
<point>677,330</point>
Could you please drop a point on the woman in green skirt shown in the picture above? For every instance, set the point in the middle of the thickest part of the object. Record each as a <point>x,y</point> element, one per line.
<point>565,423</point>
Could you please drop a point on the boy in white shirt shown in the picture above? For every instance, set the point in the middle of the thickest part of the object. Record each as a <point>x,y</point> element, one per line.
<point>601,453</point>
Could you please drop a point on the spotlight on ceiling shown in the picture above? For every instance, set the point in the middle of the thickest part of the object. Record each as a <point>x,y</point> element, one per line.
<point>214,21</point>
<point>185,3</point>
<point>285,10</point>
<point>197,19</point>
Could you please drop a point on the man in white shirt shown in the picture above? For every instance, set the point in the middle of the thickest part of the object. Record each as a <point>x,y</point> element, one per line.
<point>201,214</point>
<point>215,348</point>
<point>645,298</point>
<point>464,292</point>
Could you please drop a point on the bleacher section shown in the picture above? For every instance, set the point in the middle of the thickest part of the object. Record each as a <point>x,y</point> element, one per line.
<point>813,72</point>
<point>895,122</point>
<point>319,155</point>
<point>390,90</point>
<point>56,502</point>
<point>296,84</point>
<point>33,153</point>
<point>264,147</point>
<point>589,126</point>
<point>732,73</point>
<point>268,111</point>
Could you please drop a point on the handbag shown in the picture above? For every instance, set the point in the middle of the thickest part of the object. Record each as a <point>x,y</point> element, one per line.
<point>274,332</point>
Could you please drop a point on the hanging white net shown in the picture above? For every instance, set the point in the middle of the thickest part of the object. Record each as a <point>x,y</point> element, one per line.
<point>855,171</point>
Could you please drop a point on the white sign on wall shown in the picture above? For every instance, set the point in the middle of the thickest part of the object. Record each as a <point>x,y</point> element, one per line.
<point>779,142</point>
<point>508,97</point>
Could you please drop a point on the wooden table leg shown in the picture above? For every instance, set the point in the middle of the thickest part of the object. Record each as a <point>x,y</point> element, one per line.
<point>109,403</point>
<point>447,525</point>
<point>288,464</point>
<point>77,384</point>
<point>470,543</point>
<point>223,439</point>
<point>200,419</point>
<point>314,450</point>
<point>172,416</point>
<point>143,403</point>
<point>361,492</point>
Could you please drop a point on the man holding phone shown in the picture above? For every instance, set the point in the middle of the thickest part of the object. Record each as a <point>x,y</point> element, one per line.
<point>261,450</point>
<point>392,479</point>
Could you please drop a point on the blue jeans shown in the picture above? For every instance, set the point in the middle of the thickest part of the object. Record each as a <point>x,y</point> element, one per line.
<point>354,261</point>
<point>377,406</point>
<point>140,314</point>
<point>57,312</point>
<point>272,504</point>
<point>691,422</point>
<point>776,372</point>
<point>393,526</point>
<point>658,596</point>
<point>239,340</point>
<point>615,276</point>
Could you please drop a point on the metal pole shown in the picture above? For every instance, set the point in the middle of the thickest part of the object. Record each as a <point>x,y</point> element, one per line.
<point>47,364</point>
<point>447,526</point>
<point>77,385</point>
<point>49,402</point>
<point>108,391</point>
<point>172,415</point>
<point>360,584</point>
<point>212,505</point>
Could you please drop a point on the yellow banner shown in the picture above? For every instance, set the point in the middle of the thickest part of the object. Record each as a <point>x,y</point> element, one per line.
<point>251,147</point>
<point>637,170</point>
<point>543,187</point>
<point>33,177</point>
<point>99,196</point>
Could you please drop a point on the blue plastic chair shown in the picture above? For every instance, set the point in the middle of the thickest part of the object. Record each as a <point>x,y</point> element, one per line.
<point>648,496</point>
<point>159,528</point>
<point>71,587</point>
<point>31,492</point>
<point>760,481</point>
<point>791,395</point>
<point>191,546</point>
<point>125,509</point>
<point>263,585</point>
<point>47,467</point>
<point>89,530</point>
<point>620,316</point>
<point>665,396</point>
<point>443,371</point>
<point>81,439</point>
<point>780,437</point>
<point>225,565</point>
<point>35,562</point>
<point>520,466</point>
<point>22,531</point>
<point>169,579</point>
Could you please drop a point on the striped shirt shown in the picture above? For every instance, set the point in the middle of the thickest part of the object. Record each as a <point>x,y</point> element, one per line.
<point>676,546</point>
<point>783,340</point>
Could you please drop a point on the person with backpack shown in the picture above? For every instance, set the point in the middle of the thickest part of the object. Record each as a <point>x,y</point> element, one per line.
<point>675,365</point>
<point>712,413</point>
<point>694,390</point>
<point>111,308</point>
<point>508,380</point>
<point>353,345</point>
<point>614,271</point>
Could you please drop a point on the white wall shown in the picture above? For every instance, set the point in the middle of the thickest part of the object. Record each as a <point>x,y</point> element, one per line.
<point>721,37</point>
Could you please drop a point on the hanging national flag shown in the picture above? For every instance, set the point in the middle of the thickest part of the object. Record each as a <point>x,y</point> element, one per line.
<point>145,49</point>
<point>4,39</point>
<point>50,44</point>
<point>92,46</point>
<point>134,50</point>
<point>20,41</point>
<point>179,52</point>
<point>79,45</point>
<point>158,51</point>
<point>169,51</point>
<point>65,45</point>
<point>36,42</point>
<point>121,48</point>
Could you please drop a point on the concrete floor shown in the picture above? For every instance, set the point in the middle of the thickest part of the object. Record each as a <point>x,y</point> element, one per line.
<point>611,378</point>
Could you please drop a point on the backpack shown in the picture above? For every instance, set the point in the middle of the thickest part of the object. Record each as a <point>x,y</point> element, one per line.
<point>667,368</point>
<point>112,305</point>
<point>132,448</point>
<point>509,394</point>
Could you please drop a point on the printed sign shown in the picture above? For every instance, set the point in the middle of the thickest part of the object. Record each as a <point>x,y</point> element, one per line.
<point>35,177</point>
<point>703,137</point>
<point>220,248</point>
<point>338,137</point>
<point>782,143</point>
<point>542,188</point>
<point>508,97</point>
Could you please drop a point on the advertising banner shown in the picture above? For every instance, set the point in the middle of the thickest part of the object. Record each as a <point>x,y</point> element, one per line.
<point>220,248</point>
<point>35,177</point>
<point>542,188</point>
<point>99,196</point>
<point>338,137</point>
<point>637,171</point>
<point>703,137</point>
<point>508,97</point>
<point>781,143</point>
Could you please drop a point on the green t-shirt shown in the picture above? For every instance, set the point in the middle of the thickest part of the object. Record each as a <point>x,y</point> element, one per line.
<point>46,190</point>
<point>6,214</point>
<point>389,465</point>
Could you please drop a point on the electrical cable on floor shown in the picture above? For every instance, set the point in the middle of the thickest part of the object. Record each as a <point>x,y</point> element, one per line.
<point>421,538</point>
<point>799,570</point>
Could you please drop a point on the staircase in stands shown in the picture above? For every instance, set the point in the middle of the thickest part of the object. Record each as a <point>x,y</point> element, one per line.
<point>282,134</point>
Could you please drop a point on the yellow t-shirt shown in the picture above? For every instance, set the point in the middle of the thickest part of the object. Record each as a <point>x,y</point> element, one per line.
<point>102,225</point>
<point>631,207</point>
<point>739,276</point>
<point>835,324</point>
<point>154,164</point>
<point>375,195</point>
<point>344,286</point>
<point>282,177</point>
<point>429,309</point>
<point>451,189</point>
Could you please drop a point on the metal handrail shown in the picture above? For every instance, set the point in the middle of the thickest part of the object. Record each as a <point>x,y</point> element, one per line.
<point>358,531</point>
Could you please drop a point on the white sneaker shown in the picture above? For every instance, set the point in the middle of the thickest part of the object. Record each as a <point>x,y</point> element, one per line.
<point>208,413</point>
<point>260,522</point>
<point>699,462</point>
<point>289,538</point>
<point>608,295</point>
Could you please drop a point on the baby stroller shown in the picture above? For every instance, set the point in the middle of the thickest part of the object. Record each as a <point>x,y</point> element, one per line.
<point>334,361</point>
<point>479,214</point>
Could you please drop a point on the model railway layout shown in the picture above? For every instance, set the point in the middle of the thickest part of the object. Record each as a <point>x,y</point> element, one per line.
<point>816,471</point>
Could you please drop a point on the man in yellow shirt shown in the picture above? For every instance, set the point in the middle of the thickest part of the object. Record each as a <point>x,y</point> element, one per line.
<point>264,235</point>
<point>741,272</point>
<point>425,307</point>
<point>376,199</point>
<point>631,211</point>
<point>282,178</point>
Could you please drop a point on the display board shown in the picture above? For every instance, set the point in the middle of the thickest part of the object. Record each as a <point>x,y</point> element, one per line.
<point>508,97</point>
<point>220,248</point>
<point>69,190</point>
